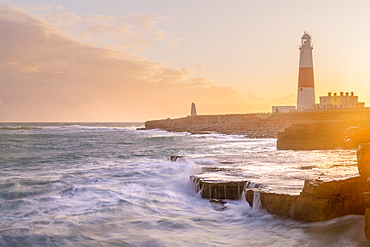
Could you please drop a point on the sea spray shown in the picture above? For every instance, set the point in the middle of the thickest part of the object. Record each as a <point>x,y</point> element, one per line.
<point>256,201</point>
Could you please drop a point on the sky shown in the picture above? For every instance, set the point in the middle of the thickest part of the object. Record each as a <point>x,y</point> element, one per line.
<point>137,60</point>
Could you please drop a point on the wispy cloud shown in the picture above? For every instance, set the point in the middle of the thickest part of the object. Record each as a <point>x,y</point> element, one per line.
<point>174,42</point>
<point>126,33</point>
<point>199,66</point>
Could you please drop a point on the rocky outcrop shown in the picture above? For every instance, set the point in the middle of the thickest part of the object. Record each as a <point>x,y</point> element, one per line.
<point>312,136</point>
<point>321,136</point>
<point>321,201</point>
<point>318,201</point>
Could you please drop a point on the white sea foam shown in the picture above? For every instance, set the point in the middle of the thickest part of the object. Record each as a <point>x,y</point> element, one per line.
<point>112,185</point>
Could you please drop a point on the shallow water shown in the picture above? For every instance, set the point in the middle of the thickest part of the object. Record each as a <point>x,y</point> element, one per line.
<point>101,184</point>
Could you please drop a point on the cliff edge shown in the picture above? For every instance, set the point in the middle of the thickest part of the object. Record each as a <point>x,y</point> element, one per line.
<point>262,125</point>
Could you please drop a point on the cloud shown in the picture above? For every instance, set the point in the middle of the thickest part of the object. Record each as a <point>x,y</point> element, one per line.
<point>49,75</point>
<point>174,42</point>
<point>131,33</point>
<point>199,66</point>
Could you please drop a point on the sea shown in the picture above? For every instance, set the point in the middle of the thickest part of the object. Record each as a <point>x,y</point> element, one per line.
<point>109,184</point>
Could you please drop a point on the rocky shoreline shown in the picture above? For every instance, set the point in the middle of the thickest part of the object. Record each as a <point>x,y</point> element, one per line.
<point>264,125</point>
<point>316,130</point>
<point>318,200</point>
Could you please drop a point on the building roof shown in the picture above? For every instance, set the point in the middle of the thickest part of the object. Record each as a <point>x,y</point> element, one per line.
<point>306,36</point>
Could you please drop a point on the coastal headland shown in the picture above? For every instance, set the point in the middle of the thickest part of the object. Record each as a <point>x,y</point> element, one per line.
<point>298,130</point>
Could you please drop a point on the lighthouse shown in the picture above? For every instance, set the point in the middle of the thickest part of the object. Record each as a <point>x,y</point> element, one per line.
<point>306,90</point>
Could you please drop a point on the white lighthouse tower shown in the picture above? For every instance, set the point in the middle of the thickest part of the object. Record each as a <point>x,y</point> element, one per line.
<point>306,90</point>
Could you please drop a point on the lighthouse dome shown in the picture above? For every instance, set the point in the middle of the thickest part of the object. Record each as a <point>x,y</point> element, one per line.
<point>306,36</point>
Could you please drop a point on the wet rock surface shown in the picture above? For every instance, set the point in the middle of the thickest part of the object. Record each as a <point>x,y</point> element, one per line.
<point>221,189</point>
<point>318,201</point>
<point>363,157</point>
<point>324,135</point>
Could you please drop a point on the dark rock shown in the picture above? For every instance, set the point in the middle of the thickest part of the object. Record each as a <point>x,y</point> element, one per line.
<point>173,158</point>
<point>354,136</point>
<point>249,196</point>
<point>213,200</point>
<point>363,158</point>
<point>367,223</point>
<point>218,204</point>
<point>220,189</point>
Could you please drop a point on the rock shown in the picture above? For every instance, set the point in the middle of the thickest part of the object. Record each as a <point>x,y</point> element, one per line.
<point>354,136</point>
<point>218,204</point>
<point>279,204</point>
<point>312,136</point>
<point>220,189</point>
<point>173,158</point>
<point>217,201</point>
<point>249,196</point>
<point>367,223</point>
<point>363,158</point>
<point>318,201</point>
<point>260,125</point>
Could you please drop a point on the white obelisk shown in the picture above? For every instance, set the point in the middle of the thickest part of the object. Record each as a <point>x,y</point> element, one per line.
<point>306,90</point>
<point>193,110</point>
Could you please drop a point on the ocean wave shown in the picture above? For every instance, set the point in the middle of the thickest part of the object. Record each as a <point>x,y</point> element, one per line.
<point>70,126</point>
<point>81,127</point>
<point>18,128</point>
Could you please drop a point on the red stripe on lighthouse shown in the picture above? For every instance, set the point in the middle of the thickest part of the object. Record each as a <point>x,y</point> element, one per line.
<point>305,78</point>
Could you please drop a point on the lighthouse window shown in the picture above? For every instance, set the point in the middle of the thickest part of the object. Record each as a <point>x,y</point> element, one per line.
<point>303,41</point>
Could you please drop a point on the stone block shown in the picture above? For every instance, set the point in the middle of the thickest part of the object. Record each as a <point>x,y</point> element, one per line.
<point>279,204</point>
<point>318,201</point>
<point>220,189</point>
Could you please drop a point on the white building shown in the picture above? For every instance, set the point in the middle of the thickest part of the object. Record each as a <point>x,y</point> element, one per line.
<point>282,109</point>
<point>193,111</point>
<point>341,101</point>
